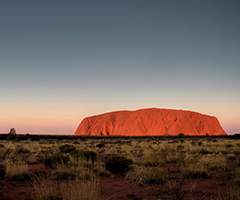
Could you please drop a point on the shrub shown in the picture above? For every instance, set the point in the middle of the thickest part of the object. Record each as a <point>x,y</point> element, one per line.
<point>53,160</point>
<point>217,163</point>
<point>149,175</point>
<point>100,145</point>
<point>2,170</point>
<point>151,158</point>
<point>180,147</point>
<point>67,148</point>
<point>63,172</point>
<point>16,171</point>
<point>21,150</point>
<point>231,156</point>
<point>12,134</point>
<point>45,189</point>
<point>63,175</point>
<point>84,190</point>
<point>35,138</point>
<point>180,135</point>
<point>88,155</point>
<point>231,192</point>
<point>48,189</point>
<point>236,182</point>
<point>100,170</point>
<point>195,171</point>
<point>117,164</point>
<point>204,151</point>
<point>6,153</point>
<point>77,153</point>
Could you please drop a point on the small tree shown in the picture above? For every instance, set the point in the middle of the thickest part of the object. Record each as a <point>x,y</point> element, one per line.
<point>180,135</point>
<point>12,134</point>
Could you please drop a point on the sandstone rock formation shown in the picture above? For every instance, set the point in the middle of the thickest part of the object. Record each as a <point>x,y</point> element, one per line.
<point>150,122</point>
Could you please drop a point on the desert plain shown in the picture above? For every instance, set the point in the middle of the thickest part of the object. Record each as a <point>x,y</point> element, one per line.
<point>46,167</point>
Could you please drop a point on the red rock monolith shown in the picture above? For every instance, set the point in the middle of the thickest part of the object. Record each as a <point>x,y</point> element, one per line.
<point>150,122</point>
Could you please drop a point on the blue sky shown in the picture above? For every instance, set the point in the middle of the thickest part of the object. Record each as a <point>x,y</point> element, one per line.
<point>64,60</point>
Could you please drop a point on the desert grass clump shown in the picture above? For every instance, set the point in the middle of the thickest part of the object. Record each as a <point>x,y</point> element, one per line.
<point>90,155</point>
<point>16,170</point>
<point>2,170</point>
<point>232,192</point>
<point>215,163</point>
<point>45,189</point>
<point>67,148</point>
<point>150,158</point>
<point>62,172</point>
<point>53,160</point>
<point>84,154</point>
<point>195,171</point>
<point>99,168</point>
<point>148,175</point>
<point>80,190</point>
<point>172,156</point>
<point>117,164</point>
<point>21,150</point>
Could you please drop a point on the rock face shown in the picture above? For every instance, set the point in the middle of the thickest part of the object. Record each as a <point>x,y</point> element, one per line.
<point>150,122</point>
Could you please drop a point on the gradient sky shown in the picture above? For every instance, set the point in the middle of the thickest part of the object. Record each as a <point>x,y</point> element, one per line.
<point>61,61</point>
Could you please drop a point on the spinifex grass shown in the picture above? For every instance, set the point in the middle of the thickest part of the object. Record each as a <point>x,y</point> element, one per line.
<point>86,190</point>
<point>148,175</point>
<point>15,170</point>
<point>46,188</point>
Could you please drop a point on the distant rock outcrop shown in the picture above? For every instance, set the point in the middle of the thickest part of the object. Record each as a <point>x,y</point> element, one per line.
<point>150,122</point>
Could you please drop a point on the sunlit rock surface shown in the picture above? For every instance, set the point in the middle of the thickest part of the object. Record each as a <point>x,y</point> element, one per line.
<point>150,122</point>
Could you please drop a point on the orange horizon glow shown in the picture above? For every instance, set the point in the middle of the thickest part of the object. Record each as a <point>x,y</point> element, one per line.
<point>67,124</point>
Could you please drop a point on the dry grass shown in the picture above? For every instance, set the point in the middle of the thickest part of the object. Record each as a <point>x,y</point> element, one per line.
<point>15,170</point>
<point>215,163</point>
<point>47,188</point>
<point>85,190</point>
<point>193,157</point>
<point>63,172</point>
<point>148,175</point>
<point>232,192</point>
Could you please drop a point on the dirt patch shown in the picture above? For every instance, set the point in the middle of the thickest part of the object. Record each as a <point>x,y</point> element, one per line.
<point>117,187</point>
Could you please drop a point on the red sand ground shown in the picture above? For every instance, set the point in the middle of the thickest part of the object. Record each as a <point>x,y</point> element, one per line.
<point>116,187</point>
<point>150,122</point>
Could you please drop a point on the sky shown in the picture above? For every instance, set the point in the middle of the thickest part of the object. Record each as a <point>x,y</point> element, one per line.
<point>61,61</point>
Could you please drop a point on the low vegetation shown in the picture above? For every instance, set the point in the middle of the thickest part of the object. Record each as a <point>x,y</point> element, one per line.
<point>76,164</point>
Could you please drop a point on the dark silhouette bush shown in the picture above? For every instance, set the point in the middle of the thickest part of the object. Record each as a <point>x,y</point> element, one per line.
<point>228,145</point>
<point>117,164</point>
<point>35,138</point>
<point>12,134</point>
<point>77,153</point>
<point>53,160</point>
<point>67,148</point>
<point>180,135</point>
<point>100,145</point>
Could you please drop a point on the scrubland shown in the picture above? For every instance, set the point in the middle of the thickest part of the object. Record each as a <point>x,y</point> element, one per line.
<point>76,166</point>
